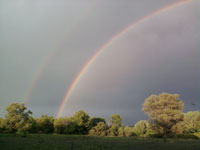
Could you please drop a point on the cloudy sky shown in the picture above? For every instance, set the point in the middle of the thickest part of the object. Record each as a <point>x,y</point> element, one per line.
<point>45,43</point>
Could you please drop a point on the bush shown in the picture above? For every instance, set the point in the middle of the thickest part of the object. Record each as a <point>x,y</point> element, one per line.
<point>128,131</point>
<point>143,128</point>
<point>121,131</point>
<point>99,130</point>
<point>45,124</point>
<point>113,131</point>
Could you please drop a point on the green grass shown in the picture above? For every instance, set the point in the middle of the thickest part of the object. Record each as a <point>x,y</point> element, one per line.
<point>64,142</point>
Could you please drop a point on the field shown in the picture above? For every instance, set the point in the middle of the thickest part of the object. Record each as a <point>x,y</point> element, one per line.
<point>65,142</point>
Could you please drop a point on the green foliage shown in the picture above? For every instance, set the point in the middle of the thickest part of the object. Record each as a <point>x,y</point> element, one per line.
<point>33,125</point>
<point>99,130</point>
<point>177,129</point>
<point>94,121</point>
<point>143,128</point>
<point>165,110</point>
<point>45,124</point>
<point>2,125</point>
<point>60,125</point>
<point>17,118</point>
<point>113,130</point>
<point>116,119</point>
<point>191,122</point>
<point>128,131</point>
<point>64,126</point>
<point>121,131</point>
<point>81,119</point>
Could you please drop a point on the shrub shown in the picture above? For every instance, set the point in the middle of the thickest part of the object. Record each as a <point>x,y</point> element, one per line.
<point>143,128</point>
<point>99,130</point>
<point>121,131</point>
<point>113,131</point>
<point>128,131</point>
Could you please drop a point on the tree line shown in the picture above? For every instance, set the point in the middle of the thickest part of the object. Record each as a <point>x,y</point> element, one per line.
<point>165,112</point>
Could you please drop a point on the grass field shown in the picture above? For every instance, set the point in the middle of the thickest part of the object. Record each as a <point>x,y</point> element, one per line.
<point>65,142</point>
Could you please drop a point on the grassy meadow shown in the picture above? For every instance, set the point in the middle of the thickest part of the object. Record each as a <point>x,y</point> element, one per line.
<point>77,142</point>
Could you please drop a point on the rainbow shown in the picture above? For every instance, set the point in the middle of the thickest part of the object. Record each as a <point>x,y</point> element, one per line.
<point>52,53</point>
<point>108,43</point>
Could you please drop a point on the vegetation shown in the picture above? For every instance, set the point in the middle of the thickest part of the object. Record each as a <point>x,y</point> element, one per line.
<point>165,111</point>
<point>79,142</point>
<point>143,129</point>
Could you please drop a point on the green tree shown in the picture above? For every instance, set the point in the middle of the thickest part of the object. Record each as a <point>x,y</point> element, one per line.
<point>191,121</point>
<point>165,110</point>
<point>2,125</point>
<point>81,119</point>
<point>178,128</point>
<point>45,124</point>
<point>17,118</point>
<point>128,131</point>
<point>121,131</point>
<point>116,119</point>
<point>33,125</point>
<point>142,128</point>
<point>94,121</point>
<point>113,130</point>
<point>60,125</point>
<point>99,130</point>
<point>65,126</point>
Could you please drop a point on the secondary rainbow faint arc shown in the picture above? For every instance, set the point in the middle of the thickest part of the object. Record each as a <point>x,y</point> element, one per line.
<point>109,42</point>
<point>51,54</point>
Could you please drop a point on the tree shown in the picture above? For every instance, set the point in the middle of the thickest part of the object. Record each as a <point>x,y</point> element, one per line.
<point>128,131</point>
<point>81,119</point>
<point>60,125</point>
<point>45,124</point>
<point>2,125</point>
<point>99,130</point>
<point>116,119</point>
<point>33,125</point>
<point>94,121</point>
<point>177,128</point>
<point>191,121</point>
<point>113,130</point>
<point>17,117</point>
<point>165,110</point>
<point>121,131</point>
<point>142,128</point>
<point>65,126</point>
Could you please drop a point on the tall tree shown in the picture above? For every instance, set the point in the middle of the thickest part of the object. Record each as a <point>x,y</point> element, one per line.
<point>81,119</point>
<point>165,110</point>
<point>17,117</point>
<point>116,119</point>
<point>45,124</point>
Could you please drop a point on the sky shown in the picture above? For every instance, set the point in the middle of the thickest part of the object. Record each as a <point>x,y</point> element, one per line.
<point>45,43</point>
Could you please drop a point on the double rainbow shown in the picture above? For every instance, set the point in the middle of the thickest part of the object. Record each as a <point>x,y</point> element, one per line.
<point>108,43</point>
